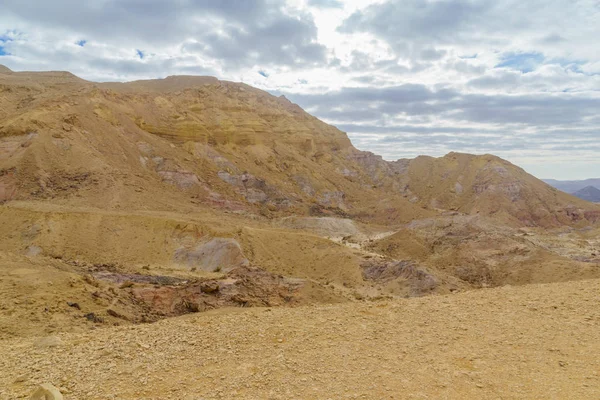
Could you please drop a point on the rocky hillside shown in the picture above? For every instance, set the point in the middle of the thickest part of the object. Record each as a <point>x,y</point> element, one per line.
<point>490,186</point>
<point>131,202</point>
<point>177,143</point>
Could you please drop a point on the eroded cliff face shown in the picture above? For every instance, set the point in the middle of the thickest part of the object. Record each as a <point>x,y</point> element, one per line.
<point>166,143</point>
<point>221,144</point>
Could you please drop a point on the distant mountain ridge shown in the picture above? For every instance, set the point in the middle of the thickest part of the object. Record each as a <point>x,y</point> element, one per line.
<point>588,193</point>
<point>573,186</point>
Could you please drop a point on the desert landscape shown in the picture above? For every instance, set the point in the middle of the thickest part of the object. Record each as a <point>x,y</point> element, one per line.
<point>193,238</point>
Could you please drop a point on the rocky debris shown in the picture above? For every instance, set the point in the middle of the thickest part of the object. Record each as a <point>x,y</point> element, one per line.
<point>180,178</point>
<point>458,188</point>
<point>31,232</point>
<point>241,287</point>
<point>530,342</point>
<point>74,305</point>
<point>49,341</point>
<point>592,216</point>
<point>512,190</point>
<point>202,150</point>
<point>92,317</point>
<point>305,185</point>
<point>323,226</point>
<point>417,278</point>
<point>477,275</point>
<point>46,392</point>
<point>8,185</point>
<point>127,280</point>
<point>33,251</point>
<point>64,183</point>
<point>209,286</point>
<point>121,314</point>
<point>214,255</point>
<point>318,210</point>
<point>254,190</point>
<point>333,199</point>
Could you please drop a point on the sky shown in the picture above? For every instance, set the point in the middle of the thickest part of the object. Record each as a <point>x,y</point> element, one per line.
<point>518,79</point>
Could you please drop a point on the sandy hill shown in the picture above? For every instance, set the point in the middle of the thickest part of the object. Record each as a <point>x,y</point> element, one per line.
<point>131,202</point>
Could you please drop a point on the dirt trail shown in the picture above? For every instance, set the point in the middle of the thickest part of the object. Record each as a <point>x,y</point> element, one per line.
<point>530,342</point>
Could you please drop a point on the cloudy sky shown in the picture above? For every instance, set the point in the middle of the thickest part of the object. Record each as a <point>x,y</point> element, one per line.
<point>519,79</point>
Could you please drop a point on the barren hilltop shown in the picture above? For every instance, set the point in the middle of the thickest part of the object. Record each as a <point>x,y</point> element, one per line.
<point>124,203</point>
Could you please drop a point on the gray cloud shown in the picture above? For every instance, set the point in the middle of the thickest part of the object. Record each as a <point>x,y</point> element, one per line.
<point>284,41</point>
<point>552,38</point>
<point>326,3</point>
<point>412,26</point>
<point>516,78</point>
<point>450,104</point>
<point>95,65</point>
<point>237,32</point>
<point>384,97</point>
<point>432,54</point>
<point>406,120</point>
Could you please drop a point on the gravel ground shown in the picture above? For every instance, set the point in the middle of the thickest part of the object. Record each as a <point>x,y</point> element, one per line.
<point>530,342</point>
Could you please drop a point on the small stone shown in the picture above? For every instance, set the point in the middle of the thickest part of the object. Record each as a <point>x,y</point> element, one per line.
<point>93,317</point>
<point>126,284</point>
<point>49,341</point>
<point>46,392</point>
<point>119,314</point>
<point>209,287</point>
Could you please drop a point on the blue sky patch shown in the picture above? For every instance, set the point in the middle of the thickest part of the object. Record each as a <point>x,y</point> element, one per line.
<point>81,43</point>
<point>4,38</point>
<point>524,62</point>
<point>263,73</point>
<point>8,36</point>
<point>140,53</point>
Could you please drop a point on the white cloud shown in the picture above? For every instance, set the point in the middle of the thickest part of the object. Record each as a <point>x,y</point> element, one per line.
<point>520,79</point>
